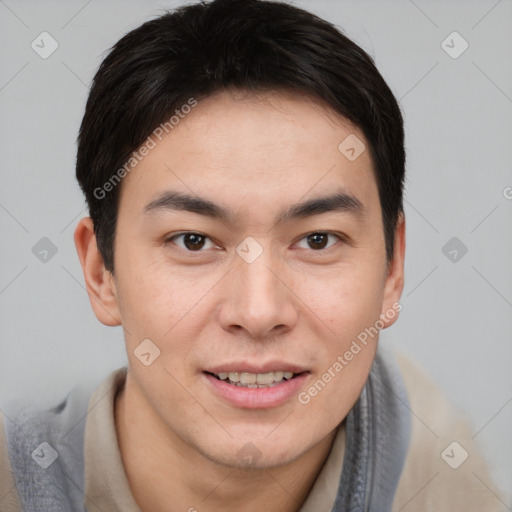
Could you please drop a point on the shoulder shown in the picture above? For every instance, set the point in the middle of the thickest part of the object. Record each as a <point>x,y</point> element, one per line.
<point>444,468</point>
<point>9,498</point>
<point>53,431</point>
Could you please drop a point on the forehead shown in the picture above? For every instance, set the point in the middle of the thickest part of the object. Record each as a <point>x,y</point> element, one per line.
<point>247,147</point>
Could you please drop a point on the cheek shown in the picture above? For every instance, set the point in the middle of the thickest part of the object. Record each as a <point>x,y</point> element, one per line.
<point>347,300</point>
<point>349,304</point>
<point>154,297</point>
<point>166,307</point>
<point>350,309</point>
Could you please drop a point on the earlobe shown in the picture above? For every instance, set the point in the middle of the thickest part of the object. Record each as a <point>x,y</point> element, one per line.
<point>394,282</point>
<point>99,281</point>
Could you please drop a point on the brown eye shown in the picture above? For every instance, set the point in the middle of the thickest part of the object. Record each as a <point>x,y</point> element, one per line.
<point>191,241</point>
<point>319,240</point>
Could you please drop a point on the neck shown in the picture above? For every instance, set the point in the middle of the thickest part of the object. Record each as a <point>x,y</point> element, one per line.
<point>163,470</point>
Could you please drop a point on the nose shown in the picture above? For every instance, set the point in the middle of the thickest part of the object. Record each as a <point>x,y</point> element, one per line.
<point>258,299</point>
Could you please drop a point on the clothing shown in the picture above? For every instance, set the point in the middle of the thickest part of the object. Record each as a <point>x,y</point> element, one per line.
<point>427,482</point>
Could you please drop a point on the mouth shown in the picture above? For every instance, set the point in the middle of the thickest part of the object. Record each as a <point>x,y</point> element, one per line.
<point>256,387</point>
<point>255,380</point>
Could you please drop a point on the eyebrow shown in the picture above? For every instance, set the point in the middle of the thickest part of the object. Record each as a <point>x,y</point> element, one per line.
<point>176,201</point>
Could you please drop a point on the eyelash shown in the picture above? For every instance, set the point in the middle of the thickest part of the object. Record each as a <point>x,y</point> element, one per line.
<point>171,239</point>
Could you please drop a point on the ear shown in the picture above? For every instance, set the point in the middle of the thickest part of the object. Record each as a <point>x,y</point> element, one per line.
<point>99,281</point>
<point>394,282</point>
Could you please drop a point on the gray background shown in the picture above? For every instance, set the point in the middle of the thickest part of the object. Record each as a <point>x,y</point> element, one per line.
<point>457,315</point>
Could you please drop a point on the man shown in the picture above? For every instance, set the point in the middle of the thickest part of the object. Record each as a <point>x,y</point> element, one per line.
<point>243,164</point>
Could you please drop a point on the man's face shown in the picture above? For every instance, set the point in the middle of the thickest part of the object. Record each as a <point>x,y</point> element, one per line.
<point>255,293</point>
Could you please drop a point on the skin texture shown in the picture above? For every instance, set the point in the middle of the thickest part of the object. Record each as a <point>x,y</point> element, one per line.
<point>256,154</point>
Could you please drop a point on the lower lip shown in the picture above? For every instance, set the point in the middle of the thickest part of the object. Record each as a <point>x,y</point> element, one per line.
<point>257,398</point>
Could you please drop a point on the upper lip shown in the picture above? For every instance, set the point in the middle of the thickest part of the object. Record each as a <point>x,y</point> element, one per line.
<point>245,367</point>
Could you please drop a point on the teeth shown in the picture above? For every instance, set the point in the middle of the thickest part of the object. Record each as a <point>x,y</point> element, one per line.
<point>248,378</point>
<point>265,378</point>
<point>255,380</point>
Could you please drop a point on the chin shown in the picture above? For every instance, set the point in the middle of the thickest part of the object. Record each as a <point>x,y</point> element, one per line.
<point>255,454</point>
